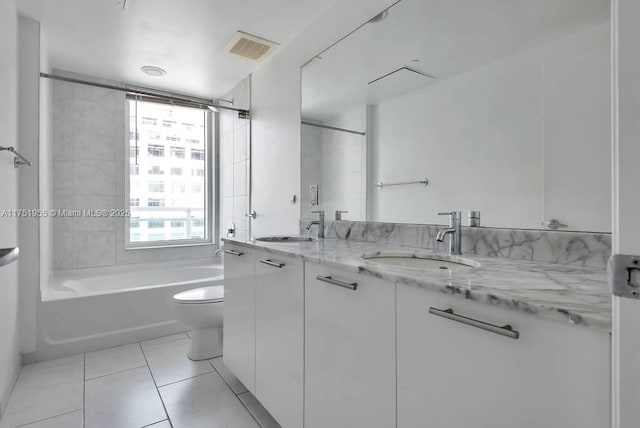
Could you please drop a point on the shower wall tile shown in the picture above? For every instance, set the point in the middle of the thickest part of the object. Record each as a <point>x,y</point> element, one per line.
<point>62,120</point>
<point>93,249</point>
<point>94,177</point>
<point>240,186</point>
<point>94,224</point>
<point>62,175</point>
<point>89,172</point>
<point>240,144</point>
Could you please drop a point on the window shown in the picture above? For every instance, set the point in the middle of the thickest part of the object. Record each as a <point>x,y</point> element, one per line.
<point>197,154</point>
<point>152,121</point>
<point>156,187</point>
<point>156,170</point>
<point>177,152</point>
<point>178,209</point>
<point>156,150</point>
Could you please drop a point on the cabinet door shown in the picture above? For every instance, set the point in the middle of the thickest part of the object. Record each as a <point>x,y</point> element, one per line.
<point>239,313</point>
<point>452,375</point>
<point>349,350</point>
<point>279,337</point>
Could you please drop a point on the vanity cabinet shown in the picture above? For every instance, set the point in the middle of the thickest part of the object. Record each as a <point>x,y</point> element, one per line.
<point>239,327</point>
<point>349,350</point>
<point>279,358</point>
<point>453,375</point>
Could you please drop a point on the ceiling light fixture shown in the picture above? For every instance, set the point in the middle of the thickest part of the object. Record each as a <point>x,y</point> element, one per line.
<point>153,71</point>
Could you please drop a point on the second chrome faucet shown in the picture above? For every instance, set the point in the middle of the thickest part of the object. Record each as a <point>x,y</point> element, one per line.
<point>454,231</point>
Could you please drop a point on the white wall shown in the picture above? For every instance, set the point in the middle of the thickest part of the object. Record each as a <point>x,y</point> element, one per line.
<point>235,164</point>
<point>275,109</point>
<point>28,198</point>
<point>522,140</point>
<point>9,356</point>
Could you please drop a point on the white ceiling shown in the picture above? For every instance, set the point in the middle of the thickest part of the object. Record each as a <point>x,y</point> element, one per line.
<point>185,37</point>
<point>448,37</point>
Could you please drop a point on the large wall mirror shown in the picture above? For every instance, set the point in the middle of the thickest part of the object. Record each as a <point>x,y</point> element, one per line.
<point>503,106</point>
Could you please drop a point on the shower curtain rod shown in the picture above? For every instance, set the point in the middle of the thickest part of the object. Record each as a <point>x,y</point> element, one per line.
<point>333,128</point>
<point>139,90</point>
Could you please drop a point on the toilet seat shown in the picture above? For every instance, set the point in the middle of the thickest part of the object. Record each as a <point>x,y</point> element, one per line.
<point>211,294</point>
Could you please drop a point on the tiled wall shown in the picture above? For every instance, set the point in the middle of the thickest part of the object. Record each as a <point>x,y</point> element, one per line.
<point>235,154</point>
<point>336,162</point>
<point>89,148</point>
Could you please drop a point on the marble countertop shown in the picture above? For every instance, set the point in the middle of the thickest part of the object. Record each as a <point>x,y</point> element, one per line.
<point>577,295</point>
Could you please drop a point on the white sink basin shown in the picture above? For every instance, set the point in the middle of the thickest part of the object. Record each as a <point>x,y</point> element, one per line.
<point>421,261</point>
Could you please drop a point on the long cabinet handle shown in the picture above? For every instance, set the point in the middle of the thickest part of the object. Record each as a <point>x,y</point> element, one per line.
<point>233,252</point>
<point>505,330</point>
<point>272,263</point>
<point>329,280</point>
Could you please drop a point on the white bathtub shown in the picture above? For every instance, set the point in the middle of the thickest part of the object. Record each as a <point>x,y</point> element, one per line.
<point>91,309</point>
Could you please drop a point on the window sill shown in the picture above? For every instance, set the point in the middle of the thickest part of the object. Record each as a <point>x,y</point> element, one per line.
<point>186,245</point>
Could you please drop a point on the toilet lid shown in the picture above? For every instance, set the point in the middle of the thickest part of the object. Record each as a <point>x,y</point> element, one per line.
<point>212,294</point>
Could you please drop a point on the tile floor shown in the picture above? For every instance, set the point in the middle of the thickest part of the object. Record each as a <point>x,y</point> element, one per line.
<point>146,384</point>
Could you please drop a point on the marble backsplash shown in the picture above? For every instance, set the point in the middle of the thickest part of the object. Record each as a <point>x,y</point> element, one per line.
<point>567,248</point>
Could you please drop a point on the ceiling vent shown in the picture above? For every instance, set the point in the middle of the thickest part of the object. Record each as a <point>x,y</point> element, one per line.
<point>249,46</point>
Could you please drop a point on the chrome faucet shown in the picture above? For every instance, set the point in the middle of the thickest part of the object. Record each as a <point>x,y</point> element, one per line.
<point>319,222</point>
<point>454,230</point>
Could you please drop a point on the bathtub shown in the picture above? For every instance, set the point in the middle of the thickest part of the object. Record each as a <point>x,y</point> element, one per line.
<point>91,309</point>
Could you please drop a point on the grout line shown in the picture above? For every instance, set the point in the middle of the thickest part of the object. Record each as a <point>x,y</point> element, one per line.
<point>188,378</point>
<point>110,374</point>
<point>162,343</point>
<point>84,388</point>
<point>156,385</point>
<point>152,424</point>
<point>50,417</point>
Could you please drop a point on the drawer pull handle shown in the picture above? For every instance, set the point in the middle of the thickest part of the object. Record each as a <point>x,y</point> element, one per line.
<point>329,280</point>
<point>233,252</point>
<point>505,330</point>
<point>272,263</point>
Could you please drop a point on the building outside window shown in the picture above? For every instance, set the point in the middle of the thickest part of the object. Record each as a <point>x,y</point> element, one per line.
<point>165,211</point>
<point>177,152</point>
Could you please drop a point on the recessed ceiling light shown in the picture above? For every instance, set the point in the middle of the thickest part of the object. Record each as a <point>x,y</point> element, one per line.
<point>153,71</point>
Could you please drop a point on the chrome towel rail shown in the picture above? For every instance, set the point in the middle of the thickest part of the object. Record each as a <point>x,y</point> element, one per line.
<point>382,185</point>
<point>19,159</point>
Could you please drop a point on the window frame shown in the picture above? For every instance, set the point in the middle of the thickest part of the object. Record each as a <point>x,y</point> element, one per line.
<point>211,188</point>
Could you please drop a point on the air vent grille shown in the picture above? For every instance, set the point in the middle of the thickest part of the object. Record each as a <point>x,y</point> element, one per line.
<point>249,46</point>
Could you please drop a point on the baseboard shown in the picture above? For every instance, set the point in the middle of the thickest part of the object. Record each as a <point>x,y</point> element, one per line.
<point>6,390</point>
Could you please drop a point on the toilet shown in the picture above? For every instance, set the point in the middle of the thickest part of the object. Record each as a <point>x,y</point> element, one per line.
<point>201,309</point>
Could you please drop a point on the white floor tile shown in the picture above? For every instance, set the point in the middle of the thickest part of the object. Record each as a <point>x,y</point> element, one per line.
<point>169,362</point>
<point>113,360</point>
<point>75,359</point>
<point>260,414</point>
<point>70,420</point>
<point>44,390</point>
<point>126,399</point>
<point>205,401</point>
<point>164,339</point>
<point>234,383</point>
<point>163,424</point>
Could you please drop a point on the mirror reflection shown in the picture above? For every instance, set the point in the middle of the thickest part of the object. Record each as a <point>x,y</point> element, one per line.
<point>502,107</point>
